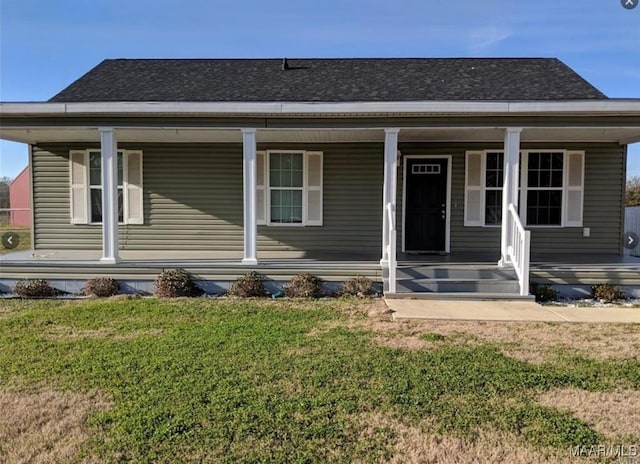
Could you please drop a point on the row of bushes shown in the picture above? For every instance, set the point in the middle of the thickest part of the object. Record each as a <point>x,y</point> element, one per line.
<point>605,293</point>
<point>177,282</point>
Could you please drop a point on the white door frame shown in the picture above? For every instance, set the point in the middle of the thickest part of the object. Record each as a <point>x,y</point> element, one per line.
<point>447,233</point>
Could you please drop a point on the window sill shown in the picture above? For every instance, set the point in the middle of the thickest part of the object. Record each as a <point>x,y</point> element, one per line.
<point>276,224</point>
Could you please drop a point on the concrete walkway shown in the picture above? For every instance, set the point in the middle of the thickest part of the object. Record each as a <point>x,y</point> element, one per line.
<point>506,311</point>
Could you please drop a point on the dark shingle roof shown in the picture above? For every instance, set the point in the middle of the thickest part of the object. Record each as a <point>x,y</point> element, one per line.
<point>329,80</point>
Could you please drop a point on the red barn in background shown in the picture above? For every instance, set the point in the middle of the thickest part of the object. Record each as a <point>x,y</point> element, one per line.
<point>20,200</point>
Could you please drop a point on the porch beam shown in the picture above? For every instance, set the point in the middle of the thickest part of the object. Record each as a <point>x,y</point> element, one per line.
<point>250,256</point>
<point>109,177</point>
<point>510,187</point>
<point>389,184</point>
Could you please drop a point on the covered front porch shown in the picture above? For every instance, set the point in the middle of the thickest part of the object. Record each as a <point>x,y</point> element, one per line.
<point>571,273</point>
<point>430,135</point>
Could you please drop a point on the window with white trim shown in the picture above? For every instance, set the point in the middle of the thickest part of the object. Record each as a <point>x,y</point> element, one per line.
<point>289,188</point>
<point>494,179</point>
<point>85,168</point>
<point>544,188</point>
<point>95,187</point>
<point>551,188</point>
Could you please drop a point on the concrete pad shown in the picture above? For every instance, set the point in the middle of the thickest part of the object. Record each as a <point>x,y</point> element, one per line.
<point>599,314</point>
<point>501,310</point>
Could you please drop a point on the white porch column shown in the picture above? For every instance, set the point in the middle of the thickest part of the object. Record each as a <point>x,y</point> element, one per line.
<point>389,183</point>
<point>250,211</point>
<point>109,161</point>
<point>510,187</point>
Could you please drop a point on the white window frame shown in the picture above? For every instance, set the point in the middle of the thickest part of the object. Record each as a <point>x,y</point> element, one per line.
<point>123,187</point>
<point>304,189</point>
<point>523,187</point>
<point>87,182</point>
<point>484,188</point>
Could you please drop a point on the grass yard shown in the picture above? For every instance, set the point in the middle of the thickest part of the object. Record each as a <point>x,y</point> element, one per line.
<point>205,380</point>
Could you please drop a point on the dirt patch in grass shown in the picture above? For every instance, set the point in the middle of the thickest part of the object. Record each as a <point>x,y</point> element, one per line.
<point>46,426</point>
<point>74,333</point>
<point>615,414</point>
<point>527,341</point>
<point>423,445</point>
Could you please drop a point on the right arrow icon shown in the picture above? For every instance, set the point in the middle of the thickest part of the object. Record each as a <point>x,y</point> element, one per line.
<point>631,240</point>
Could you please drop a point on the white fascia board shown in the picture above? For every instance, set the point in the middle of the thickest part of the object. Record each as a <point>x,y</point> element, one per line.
<point>594,107</point>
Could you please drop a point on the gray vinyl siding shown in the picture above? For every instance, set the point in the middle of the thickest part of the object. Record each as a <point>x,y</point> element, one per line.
<point>193,200</point>
<point>352,204</point>
<point>603,200</point>
<point>51,205</point>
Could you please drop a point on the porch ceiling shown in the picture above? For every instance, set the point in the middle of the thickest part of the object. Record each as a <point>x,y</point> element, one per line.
<point>35,135</point>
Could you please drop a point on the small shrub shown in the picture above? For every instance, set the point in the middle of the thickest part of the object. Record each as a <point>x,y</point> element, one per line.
<point>544,293</point>
<point>359,286</point>
<point>249,285</point>
<point>101,287</point>
<point>606,293</point>
<point>37,288</point>
<point>304,285</point>
<point>175,282</point>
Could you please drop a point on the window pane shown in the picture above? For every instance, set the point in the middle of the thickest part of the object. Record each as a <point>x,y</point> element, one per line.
<point>95,169</point>
<point>492,179</point>
<point>286,206</point>
<point>494,172</point>
<point>296,161</point>
<point>556,178</point>
<point>493,207</point>
<point>274,178</point>
<point>96,205</point>
<point>533,179</point>
<point>275,161</point>
<point>545,170</point>
<point>296,178</point>
<point>120,170</point>
<point>544,207</point>
<point>120,205</point>
<point>286,170</point>
<point>545,161</point>
<point>545,179</point>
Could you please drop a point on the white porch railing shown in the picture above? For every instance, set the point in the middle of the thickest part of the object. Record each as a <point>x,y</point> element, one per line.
<point>519,248</point>
<point>391,248</point>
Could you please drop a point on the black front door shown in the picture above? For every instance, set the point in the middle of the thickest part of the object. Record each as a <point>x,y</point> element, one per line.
<point>426,208</point>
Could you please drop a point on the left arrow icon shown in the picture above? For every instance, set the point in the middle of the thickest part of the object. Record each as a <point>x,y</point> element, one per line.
<point>10,240</point>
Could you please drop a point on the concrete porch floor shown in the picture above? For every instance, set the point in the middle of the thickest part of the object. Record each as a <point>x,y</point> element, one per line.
<point>462,310</point>
<point>556,261</point>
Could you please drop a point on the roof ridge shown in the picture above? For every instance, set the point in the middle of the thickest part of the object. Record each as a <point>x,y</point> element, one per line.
<point>360,58</point>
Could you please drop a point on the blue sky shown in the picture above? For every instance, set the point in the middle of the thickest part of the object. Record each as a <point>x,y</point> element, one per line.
<point>47,44</point>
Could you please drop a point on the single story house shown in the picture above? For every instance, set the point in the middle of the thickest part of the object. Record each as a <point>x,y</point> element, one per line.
<point>442,177</point>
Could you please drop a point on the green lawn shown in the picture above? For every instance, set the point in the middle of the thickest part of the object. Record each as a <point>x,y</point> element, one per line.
<point>205,380</point>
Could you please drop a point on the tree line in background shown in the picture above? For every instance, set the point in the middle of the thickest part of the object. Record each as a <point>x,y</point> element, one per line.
<point>633,191</point>
<point>4,192</point>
